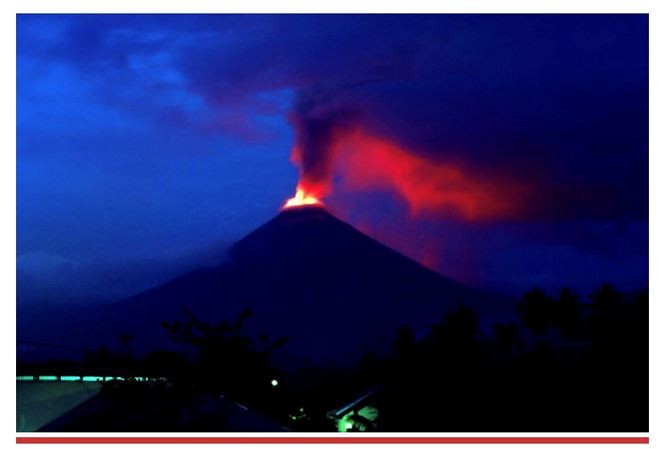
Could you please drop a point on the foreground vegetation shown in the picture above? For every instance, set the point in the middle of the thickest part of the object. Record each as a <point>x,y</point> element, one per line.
<point>564,364</point>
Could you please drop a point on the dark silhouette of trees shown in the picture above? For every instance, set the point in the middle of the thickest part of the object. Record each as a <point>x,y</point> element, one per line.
<point>506,341</point>
<point>226,361</point>
<point>567,314</point>
<point>195,389</point>
<point>537,311</point>
<point>564,363</point>
<point>569,365</point>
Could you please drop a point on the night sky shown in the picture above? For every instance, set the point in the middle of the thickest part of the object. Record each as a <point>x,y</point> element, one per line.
<point>503,151</point>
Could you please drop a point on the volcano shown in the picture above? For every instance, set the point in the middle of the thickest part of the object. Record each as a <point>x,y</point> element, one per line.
<point>333,291</point>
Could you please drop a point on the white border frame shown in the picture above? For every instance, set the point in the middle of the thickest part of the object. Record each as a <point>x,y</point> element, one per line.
<point>656,121</point>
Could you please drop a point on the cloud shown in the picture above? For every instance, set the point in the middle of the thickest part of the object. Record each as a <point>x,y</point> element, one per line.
<point>44,277</point>
<point>534,119</point>
<point>558,101</point>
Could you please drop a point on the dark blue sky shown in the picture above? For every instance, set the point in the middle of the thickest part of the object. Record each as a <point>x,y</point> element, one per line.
<point>147,144</point>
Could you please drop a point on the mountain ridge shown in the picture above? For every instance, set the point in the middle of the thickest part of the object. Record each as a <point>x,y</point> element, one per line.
<point>305,274</point>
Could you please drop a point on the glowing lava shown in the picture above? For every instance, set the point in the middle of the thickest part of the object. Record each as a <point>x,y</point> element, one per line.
<point>302,199</point>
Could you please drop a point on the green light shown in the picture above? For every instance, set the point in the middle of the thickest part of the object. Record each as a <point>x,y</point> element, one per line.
<point>92,379</point>
<point>70,378</point>
<point>345,423</point>
<point>274,382</point>
<point>368,412</point>
<point>48,378</point>
<point>45,378</point>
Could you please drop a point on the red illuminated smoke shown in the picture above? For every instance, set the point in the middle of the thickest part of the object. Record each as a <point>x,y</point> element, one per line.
<point>359,161</point>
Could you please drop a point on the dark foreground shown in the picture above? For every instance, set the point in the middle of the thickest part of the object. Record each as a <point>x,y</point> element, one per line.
<point>565,365</point>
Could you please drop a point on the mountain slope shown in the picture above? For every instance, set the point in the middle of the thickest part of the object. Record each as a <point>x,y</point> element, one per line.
<point>307,275</point>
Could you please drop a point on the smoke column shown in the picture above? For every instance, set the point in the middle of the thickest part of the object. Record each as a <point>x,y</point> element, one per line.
<point>332,149</point>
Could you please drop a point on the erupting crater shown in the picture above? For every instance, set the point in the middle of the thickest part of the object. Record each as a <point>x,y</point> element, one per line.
<point>301,198</point>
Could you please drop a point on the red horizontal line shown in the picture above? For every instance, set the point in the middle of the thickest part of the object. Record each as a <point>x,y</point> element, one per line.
<point>332,440</point>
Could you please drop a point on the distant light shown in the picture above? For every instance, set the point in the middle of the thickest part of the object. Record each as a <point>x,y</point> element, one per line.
<point>274,382</point>
<point>70,378</point>
<point>24,378</point>
<point>92,379</point>
<point>49,378</point>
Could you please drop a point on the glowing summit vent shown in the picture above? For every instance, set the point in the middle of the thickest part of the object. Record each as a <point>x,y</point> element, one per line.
<point>302,199</point>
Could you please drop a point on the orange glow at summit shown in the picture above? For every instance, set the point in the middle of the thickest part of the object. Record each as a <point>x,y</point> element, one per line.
<point>301,198</point>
